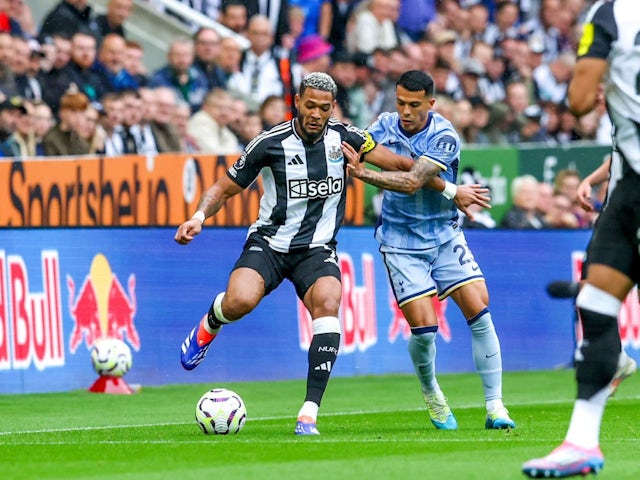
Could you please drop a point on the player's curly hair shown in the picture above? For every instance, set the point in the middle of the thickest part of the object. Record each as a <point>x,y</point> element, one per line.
<point>319,81</point>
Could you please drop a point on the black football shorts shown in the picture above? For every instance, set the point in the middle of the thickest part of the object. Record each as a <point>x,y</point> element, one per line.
<point>302,267</point>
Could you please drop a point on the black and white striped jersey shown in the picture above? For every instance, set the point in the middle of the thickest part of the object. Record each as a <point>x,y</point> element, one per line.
<point>612,32</point>
<point>303,202</point>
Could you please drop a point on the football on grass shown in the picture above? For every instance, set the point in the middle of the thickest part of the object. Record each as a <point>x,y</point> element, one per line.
<point>111,357</point>
<point>220,412</point>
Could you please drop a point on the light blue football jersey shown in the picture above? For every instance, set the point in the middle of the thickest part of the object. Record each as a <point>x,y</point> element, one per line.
<point>425,219</point>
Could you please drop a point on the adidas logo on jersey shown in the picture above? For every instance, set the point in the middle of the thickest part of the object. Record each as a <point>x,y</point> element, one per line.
<point>296,161</point>
<point>326,366</point>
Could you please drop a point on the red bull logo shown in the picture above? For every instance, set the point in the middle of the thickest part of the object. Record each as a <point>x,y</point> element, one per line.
<point>400,326</point>
<point>357,310</point>
<point>358,314</point>
<point>102,307</point>
<point>629,317</point>
<point>30,314</point>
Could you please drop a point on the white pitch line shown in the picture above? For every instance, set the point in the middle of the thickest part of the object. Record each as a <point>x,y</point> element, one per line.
<point>280,417</point>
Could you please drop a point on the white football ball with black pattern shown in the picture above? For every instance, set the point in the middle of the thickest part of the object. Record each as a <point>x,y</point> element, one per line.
<point>111,357</point>
<point>220,412</point>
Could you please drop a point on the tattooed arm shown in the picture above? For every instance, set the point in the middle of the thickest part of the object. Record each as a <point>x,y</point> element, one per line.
<point>211,201</point>
<point>422,171</point>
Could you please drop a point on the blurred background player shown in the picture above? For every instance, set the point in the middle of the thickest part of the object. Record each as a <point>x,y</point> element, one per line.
<point>606,49</point>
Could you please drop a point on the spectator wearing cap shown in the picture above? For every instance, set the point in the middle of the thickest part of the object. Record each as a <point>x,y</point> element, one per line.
<point>15,118</point>
<point>471,72</point>
<point>314,54</point>
<point>67,18</point>
<point>110,65</point>
<point>12,111</point>
<point>112,21</point>
<point>446,43</point>
<point>536,51</point>
<point>375,27</point>
<point>63,139</point>
<point>532,129</point>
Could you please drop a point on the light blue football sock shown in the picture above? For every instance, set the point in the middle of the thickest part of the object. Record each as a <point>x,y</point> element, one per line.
<point>422,349</point>
<point>486,354</point>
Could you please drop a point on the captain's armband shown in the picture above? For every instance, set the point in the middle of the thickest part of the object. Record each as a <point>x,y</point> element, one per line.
<point>369,143</point>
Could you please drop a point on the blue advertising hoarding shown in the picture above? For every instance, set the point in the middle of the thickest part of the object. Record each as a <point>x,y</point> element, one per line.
<point>61,289</point>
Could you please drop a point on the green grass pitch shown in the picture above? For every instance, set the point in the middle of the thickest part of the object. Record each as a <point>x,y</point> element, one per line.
<point>371,428</point>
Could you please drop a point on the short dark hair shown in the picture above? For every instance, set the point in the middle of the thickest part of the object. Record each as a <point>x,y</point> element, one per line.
<point>416,81</point>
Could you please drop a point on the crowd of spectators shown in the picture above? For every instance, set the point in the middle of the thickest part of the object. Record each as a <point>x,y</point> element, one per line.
<point>77,84</point>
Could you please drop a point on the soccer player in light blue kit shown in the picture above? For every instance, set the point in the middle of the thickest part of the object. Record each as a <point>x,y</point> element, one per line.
<point>425,250</point>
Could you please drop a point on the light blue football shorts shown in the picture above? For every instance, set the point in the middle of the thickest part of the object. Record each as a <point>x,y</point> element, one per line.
<point>439,270</point>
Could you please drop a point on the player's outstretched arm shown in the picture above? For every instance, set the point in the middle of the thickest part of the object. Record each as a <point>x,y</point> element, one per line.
<point>210,202</point>
<point>421,172</point>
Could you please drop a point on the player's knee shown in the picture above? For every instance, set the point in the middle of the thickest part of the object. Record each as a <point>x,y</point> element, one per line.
<point>234,307</point>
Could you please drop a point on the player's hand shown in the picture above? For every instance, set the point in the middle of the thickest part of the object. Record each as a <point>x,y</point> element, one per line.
<point>354,165</point>
<point>474,194</point>
<point>584,196</point>
<point>187,231</point>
